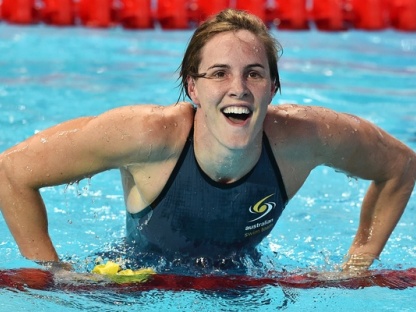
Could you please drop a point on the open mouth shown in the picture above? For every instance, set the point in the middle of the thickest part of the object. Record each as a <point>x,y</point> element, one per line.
<point>237,114</point>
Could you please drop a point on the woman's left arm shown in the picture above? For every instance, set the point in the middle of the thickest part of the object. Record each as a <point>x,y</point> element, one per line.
<point>368,152</point>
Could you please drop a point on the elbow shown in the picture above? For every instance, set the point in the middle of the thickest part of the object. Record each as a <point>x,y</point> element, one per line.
<point>407,172</point>
<point>4,177</point>
<point>4,183</point>
<point>5,166</point>
<point>400,174</point>
<point>412,167</point>
<point>3,174</point>
<point>7,175</point>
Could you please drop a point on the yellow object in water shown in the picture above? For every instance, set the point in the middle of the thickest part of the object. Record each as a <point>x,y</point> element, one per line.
<point>108,268</point>
<point>114,272</point>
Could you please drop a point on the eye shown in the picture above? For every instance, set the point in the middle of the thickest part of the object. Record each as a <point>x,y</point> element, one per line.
<point>218,74</point>
<point>254,75</point>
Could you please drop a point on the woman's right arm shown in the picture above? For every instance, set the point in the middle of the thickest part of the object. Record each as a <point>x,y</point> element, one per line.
<point>68,153</point>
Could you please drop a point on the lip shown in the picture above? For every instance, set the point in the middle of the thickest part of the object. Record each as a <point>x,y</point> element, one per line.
<point>235,121</point>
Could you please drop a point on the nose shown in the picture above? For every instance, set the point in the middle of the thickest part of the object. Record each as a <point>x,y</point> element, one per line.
<point>238,87</point>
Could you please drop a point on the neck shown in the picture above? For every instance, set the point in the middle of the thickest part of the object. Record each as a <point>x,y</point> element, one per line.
<point>221,163</point>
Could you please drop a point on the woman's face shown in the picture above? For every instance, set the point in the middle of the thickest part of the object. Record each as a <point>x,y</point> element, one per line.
<point>233,96</point>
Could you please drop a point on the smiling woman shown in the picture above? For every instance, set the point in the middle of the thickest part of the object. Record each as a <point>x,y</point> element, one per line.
<point>229,155</point>
<point>200,183</point>
<point>98,70</point>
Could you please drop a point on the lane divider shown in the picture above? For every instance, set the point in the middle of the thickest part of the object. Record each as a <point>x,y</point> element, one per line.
<point>325,15</point>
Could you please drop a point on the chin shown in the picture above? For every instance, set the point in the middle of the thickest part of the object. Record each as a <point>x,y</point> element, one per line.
<point>238,141</point>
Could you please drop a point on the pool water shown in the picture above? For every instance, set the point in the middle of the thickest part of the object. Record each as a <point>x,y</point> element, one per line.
<point>48,75</point>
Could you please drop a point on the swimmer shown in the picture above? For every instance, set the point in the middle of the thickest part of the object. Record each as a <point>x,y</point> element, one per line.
<point>210,177</point>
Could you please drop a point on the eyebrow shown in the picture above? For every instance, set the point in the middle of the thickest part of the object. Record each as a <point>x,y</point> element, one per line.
<point>218,66</point>
<point>228,66</point>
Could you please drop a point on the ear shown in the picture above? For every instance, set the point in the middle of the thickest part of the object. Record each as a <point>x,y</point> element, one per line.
<point>193,93</point>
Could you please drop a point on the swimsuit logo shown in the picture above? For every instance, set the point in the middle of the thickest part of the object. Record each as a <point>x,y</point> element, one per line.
<point>262,208</point>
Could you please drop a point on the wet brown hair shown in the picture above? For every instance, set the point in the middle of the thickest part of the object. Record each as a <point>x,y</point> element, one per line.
<point>227,20</point>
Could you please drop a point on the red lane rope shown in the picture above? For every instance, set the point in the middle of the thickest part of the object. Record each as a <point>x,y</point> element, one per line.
<point>328,15</point>
<point>27,278</point>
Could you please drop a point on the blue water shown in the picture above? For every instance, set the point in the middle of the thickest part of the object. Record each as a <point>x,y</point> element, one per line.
<point>48,75</point>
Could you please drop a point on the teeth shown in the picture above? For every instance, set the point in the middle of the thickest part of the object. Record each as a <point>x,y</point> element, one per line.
<point>236,110</point>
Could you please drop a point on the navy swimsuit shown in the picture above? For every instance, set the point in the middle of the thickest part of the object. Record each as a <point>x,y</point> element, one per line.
<point>197,216</point>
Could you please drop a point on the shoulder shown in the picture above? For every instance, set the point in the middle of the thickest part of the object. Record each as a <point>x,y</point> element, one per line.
<point>299,114</point>
<point>151,113</point>
<point>149,118</point>
<point>145,130</point>
<point>309,123</point>
<point>304,137</point>
<point>293,123</point>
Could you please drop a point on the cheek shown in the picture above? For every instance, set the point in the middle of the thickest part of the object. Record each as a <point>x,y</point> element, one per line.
<point>199,93</point>
<point>271,96</point>
<point>270,93</point>
<point>207,93</point>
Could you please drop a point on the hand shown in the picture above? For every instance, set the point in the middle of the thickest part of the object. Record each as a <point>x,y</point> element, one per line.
<point>63,273</point>
<point>357,263</point>
<point>55,266</point>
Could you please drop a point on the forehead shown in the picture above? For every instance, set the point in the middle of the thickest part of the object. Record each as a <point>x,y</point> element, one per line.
<point>232,46</point>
